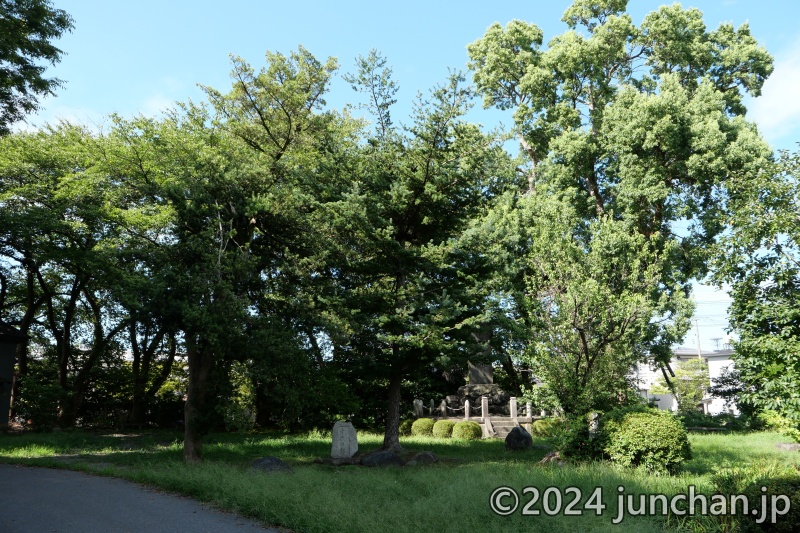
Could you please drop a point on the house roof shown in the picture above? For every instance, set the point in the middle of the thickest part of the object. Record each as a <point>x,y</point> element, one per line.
<point>683,352</point>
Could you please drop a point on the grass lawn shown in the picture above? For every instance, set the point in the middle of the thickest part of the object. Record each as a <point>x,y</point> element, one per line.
<point>452,495</point>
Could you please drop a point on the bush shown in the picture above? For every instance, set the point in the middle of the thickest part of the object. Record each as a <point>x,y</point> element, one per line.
<point>443,429</point>
<point>774,421</point>
<point>405,427</point>
<point>572,439</point>
<point>467,430</point>
<point>779,479</point>
<point>547,427</point>
<point>723,420</point>
<point>651,438</point>
<point>422,427</point>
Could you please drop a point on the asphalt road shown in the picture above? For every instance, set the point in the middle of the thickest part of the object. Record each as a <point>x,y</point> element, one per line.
<point>42,500</point>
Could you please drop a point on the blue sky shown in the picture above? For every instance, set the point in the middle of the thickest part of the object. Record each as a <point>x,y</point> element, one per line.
<point>141,57</point>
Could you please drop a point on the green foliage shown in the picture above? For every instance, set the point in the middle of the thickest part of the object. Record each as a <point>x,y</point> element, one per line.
<point>779,479</point>
<point>405,427</point>
<point>422,427</point>
<point>572,438</point>
<point>443,429</point>
<point>760,261</point>
<point>772,420</point>
<point>728,386</point>
<point>722,420</point>
<point>653,439</point>
<point>27,31</point>
<point>37,404</point>
<point>467,430</point>
<point>624,131</point>
<point>689,385</point>
<point>238,409</point>
<point>547,427</point>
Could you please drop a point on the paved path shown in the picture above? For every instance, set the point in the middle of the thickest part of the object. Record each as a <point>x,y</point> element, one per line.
<point>42,500</point>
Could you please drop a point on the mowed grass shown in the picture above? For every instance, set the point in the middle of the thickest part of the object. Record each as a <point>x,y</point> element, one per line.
<point>452,495</point>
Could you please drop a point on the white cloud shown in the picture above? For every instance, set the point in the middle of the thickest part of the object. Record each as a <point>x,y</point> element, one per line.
<point>155,105</point>
<point>777,110</point>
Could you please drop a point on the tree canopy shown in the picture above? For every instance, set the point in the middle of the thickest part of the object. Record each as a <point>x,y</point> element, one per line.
<point>27,31</point>
<point>282,263</point>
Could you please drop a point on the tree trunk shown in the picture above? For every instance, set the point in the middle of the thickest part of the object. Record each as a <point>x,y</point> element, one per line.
<point>32,307</point>
<point>200,363</point>
<point>391,438</point>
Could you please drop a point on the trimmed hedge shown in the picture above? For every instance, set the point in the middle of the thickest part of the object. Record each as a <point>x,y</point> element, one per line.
<point>422,427</point>
<point>651,438</point>
<point>467,430</point>
<point>405,427</point>
<point>443,429</point>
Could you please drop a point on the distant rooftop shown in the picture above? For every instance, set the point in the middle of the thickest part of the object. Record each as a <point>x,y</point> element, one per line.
<point>683,351</point>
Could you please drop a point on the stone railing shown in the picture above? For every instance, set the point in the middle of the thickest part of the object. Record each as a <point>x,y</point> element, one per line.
<point>445,411</point>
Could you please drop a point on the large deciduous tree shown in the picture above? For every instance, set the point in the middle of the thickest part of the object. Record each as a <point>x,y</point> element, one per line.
<point>634,127</point>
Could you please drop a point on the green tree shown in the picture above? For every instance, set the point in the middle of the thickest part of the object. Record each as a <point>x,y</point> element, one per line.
<point>406,285</point>
<point>57,233</point>
<point>588,304</point>
<point>245,190</point>
<point>636,128</point>
<point>689,384</point>
<point>27,29</point>
<point>760,261</point>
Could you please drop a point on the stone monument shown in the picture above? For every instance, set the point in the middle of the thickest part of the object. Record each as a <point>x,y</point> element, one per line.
<point>345,443</point>
<point>481,384</point>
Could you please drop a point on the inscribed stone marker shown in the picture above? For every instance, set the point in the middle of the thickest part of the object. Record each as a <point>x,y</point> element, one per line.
<point>345,443</point>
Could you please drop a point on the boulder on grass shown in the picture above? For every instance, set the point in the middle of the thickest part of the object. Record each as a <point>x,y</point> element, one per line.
<point>381,458</point>
<point>422,458</point>
<point>518,440</point>
<point>793,447</point>
<point>270,464</point>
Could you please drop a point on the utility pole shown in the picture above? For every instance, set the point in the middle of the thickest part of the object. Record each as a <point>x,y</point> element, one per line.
<point>697,324</point>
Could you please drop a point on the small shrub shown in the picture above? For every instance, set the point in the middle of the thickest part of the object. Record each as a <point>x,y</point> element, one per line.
<point>422,427</point>
<point>547,427</point>
<point>774,421</point>
<point>443,429</point>
<point>405,427</point>
<point>654,439</point>
<point>572,439</point>
<point>467,430</point>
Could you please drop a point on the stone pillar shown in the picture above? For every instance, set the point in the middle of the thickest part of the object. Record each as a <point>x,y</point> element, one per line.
<point>512,408</point>
<point>443,409</point>
<point>529,410</point>
<point>466,410</point>
<point>484,408</point>
<point>594,425</point>
<point>432,408</point>
<point>418,412</point>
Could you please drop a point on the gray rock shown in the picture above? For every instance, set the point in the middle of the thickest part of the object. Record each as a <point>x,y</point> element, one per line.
<point>270,464</point>
<point>518,440</point>
<point>788,447</point>
<point>422,458</point>
<point>381,458</point>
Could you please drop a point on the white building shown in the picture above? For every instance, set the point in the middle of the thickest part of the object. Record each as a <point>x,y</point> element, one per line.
<point>717,360</point>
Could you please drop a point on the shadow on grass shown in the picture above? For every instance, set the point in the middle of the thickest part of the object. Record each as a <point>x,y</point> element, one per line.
<point>235,449</point>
